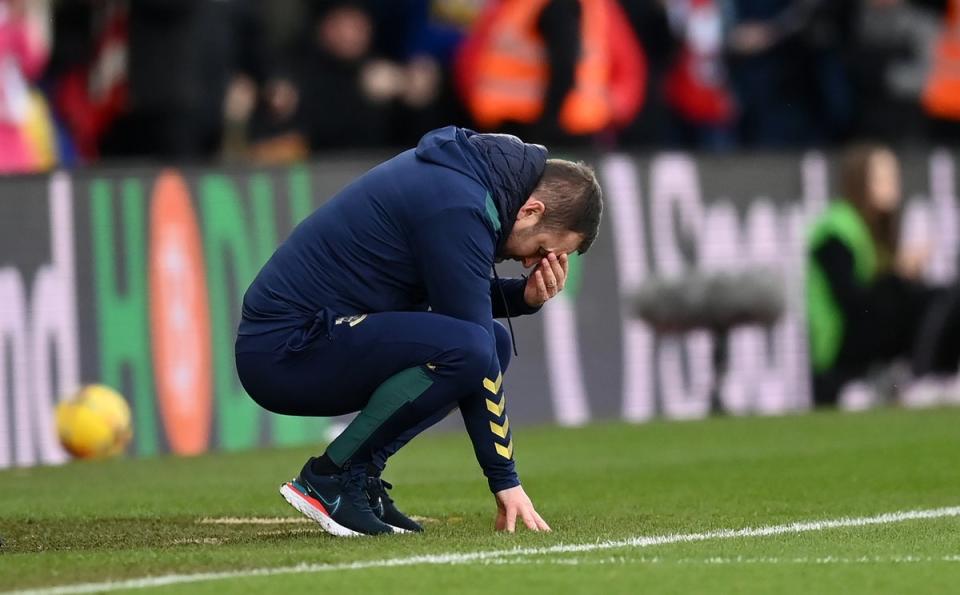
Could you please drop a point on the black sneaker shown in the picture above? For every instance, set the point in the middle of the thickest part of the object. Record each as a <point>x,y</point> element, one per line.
<point>337,502</point>
<point>382,505</point>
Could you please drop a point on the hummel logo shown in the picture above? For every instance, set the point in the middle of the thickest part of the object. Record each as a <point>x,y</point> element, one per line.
<point>497,408</point>
<point>504,451</point>
<point>500,430</point>
<point>493,384</point>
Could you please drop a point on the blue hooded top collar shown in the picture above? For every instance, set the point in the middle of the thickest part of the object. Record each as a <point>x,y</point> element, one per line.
<point>508,167</point>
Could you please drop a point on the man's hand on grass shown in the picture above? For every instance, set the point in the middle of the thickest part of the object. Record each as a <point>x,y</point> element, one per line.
<point>513,502</point>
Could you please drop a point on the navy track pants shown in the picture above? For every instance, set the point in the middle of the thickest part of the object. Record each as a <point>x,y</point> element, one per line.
<point>403,371</point>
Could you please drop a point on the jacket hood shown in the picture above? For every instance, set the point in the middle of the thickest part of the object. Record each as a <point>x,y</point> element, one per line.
<point>508,167</point>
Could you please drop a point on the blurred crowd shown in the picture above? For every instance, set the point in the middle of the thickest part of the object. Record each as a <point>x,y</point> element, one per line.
<point>87,80</point>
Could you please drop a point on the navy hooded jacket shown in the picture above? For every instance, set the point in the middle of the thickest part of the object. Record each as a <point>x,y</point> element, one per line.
<point>420,230</point>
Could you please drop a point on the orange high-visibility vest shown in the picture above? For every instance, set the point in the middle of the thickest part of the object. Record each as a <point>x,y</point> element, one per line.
<point>512,72</point>
<point>941,95</point>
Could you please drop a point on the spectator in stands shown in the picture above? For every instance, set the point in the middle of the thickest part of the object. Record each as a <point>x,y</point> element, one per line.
<point>184,55</point>
<point>696,86</point>
<point>788,71</point>
<point>345,90</point>
<point>424,35</point>
<point>26,132</point>
<point>652,127</point>
<point>865,300</point>
<point>890,59</point>
<point>941,93</point>
<point>87,75</point>
<point>552,70</point>
<point>437,28</point>
<point>380,98</point>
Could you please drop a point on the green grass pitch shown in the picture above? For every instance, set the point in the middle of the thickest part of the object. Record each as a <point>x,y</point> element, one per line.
<point>105,522</point>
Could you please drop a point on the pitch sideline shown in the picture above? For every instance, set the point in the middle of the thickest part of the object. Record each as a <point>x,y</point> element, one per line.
<point>721,561</point>
<point>470,557</point>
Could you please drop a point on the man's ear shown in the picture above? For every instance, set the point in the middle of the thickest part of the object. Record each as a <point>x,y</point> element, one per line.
<point>532,208</point>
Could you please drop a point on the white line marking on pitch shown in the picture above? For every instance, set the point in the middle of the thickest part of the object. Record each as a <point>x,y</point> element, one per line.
<point>715,560</point>
<point>470,557</point>
<point>253,520</point>
<point>277,520</point>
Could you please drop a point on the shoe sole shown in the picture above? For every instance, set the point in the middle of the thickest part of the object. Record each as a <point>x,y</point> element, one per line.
<point>315,511</point>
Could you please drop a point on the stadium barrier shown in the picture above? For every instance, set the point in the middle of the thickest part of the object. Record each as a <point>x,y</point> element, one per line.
<point>133,278</point>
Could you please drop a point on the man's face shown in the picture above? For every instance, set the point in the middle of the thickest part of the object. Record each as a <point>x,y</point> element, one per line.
<point>346,33</point>
<point>530,242</point>
<point>883,181</point>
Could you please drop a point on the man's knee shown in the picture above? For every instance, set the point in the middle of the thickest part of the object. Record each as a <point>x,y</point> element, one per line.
<point>471,354</point>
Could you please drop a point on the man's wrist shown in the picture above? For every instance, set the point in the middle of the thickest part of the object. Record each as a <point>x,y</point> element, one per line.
<point>530,308</point>
<point>503,484</point>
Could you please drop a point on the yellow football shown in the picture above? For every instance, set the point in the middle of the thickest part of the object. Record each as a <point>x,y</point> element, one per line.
<point>95,423</point>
